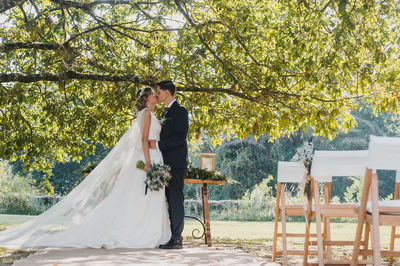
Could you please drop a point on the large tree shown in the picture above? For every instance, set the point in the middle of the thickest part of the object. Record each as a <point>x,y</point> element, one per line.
<point>70,68</point>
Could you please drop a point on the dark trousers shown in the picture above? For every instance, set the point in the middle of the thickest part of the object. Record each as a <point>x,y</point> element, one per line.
<point>176,208</point>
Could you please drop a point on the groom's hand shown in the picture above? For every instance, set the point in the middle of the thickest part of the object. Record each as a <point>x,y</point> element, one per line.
<point>152,144</point>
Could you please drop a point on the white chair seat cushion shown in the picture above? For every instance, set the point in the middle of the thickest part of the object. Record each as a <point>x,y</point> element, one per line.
<point>389,205</point>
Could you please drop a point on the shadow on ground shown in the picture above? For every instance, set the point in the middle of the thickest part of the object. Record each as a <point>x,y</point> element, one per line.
<point>186,256</point>
<point>8,256</point>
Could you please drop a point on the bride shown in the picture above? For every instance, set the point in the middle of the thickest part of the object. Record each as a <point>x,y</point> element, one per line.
<point>109,208</point>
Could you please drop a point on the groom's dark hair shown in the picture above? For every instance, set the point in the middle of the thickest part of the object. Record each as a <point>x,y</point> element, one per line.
<point>167,85</point>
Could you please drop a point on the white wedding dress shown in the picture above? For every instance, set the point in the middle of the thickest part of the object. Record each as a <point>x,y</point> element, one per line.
<point>107,209</point>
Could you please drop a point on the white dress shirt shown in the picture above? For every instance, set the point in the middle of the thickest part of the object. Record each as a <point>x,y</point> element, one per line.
<point>171,103</point>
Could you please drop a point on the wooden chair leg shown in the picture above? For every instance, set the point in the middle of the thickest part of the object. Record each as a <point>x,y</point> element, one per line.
<point>327,224</point>
<point>307,239</point>
<point>318,224</point>
<point>361,216</point>
<point>325,236</point>
<point>376,249</point>
<point>366,238</point>
<point>393,231</point>
<point>277,214</point>
<point>328,238</point>
<point>392,239</point>
<point>367,228</point>
<point>283,222</point>
<point>308,225</point>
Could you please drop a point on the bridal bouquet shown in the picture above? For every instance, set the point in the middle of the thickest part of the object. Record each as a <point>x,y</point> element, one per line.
<point>156,177</point>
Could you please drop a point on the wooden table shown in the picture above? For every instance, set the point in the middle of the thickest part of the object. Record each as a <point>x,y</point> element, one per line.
<point>206,211</point>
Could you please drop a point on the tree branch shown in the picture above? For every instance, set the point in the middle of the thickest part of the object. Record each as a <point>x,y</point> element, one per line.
<point>121,25</point>
<point>326,6</point>
<point>8,4</point>
<point>192,23</point>
<point>121,2</point>
<point>216,90</point>
<point>73,37</point>
<point>29,45</point>
<point>35,7</point>
<point>28,78</point>
<point>108,26</point>
<point>88,6</point>
<point>148,15</point>
<point>184,13</point>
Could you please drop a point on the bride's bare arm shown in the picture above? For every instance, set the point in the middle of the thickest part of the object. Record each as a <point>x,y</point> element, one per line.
<point>145,139</point>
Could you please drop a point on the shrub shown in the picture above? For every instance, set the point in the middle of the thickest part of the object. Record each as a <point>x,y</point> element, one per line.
<point>12,203</point>
<point>17,195</point>
<point>257,205</point>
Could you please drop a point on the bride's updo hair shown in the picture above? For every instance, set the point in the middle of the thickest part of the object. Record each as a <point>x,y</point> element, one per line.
<point>141,98</point>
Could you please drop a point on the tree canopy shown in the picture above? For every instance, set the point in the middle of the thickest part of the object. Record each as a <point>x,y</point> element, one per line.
<point>69,69</point>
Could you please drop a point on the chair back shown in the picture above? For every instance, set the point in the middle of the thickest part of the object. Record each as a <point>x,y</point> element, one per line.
<point>384,153</point>
<point>291,172</point>
<point>327,164</point>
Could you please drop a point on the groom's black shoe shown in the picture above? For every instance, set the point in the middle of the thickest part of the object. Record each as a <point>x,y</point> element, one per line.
<point>172,244</point>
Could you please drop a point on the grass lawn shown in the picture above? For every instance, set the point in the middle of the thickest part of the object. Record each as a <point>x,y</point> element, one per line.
<point>256,237</point>
<point>253,237</point>
<point>7,221</point>
<point>8,256</point>
<point>257,231</point>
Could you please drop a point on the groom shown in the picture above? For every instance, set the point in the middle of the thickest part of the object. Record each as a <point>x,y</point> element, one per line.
<point>173,145</point>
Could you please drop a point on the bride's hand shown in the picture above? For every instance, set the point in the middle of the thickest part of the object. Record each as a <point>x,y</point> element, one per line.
<point>147,166</point>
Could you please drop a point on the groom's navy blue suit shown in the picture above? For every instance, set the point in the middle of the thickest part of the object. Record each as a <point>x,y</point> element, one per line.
<point>173,145</point>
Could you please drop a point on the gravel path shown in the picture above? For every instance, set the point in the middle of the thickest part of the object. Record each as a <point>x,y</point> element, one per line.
<point>185,256</point>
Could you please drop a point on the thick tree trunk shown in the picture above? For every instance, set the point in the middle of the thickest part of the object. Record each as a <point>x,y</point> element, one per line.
<point>8,4</point>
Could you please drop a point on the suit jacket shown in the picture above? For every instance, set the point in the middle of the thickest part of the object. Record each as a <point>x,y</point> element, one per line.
<point>173,137</point>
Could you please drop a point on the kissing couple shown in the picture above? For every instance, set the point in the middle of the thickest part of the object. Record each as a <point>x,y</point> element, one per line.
<point>109,208</point>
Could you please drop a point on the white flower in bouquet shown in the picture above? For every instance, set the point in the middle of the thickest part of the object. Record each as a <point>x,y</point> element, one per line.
<point>157,176</point>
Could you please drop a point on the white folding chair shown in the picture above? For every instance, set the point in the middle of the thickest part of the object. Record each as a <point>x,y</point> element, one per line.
<point>288,172</point>
<point>325,165</point>
<point>383,154</point>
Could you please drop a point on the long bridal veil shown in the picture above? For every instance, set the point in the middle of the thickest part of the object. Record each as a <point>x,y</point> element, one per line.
<point>82,199</point>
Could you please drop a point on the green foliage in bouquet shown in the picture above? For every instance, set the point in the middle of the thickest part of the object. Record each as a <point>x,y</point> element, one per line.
<point>140,165</point>
<point>197,173</point>
<point>157,176</point>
